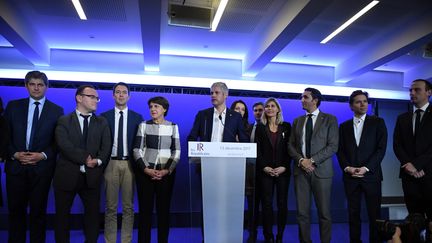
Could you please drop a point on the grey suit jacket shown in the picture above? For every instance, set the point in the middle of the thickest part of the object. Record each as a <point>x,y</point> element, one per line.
<point>69,138</point>
<point>325,139</point>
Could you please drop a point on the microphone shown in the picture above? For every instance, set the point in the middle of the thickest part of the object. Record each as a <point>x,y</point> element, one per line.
<point>220,119</point>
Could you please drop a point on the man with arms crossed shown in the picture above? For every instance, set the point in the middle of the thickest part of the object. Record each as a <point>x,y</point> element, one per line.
<point>362,146</point>
<point>313,141</point>
<point>412,145</point>
<point>84,142</point>
<point>31,158</point>
<point>119,175</point>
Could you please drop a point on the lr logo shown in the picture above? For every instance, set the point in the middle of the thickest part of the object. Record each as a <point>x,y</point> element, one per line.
<point>200,146</point>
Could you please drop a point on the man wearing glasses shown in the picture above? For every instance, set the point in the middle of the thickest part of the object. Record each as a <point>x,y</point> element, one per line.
<point>84,142</point>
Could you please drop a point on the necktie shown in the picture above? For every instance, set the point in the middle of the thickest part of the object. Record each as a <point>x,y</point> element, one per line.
<point>120,137</point>
<point>34,124</point>
<point>252,138</point>
<point>85,129</point>
<point>417,121</point>
<point>308,133</point>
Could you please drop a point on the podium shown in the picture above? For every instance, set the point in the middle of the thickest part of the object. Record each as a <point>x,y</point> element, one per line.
<point>223,169</point>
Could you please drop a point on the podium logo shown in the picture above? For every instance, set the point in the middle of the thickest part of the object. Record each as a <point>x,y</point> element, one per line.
<point>200,147</point>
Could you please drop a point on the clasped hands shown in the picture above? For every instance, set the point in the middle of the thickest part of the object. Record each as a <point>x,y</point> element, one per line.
<point>307,165</point>
<point>412,171</point>
<point>156,174</point>
<point>356,171</point>
<point>91,162</point>
<point>29,158</point>
<point>275,172</point>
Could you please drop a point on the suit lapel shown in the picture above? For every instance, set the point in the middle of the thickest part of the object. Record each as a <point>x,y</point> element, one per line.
<point>350,132</point>
<point>319,120</point>
<point>363,133</point>
<point>208,123</point>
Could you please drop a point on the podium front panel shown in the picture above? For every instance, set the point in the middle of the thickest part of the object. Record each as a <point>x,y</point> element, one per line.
<point>223,186</point>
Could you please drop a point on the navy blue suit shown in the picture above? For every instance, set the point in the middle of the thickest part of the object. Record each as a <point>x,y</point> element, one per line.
<point>29,184</point>
<point>233,127</point>
<point>369,153</point>
<point>134,119</point>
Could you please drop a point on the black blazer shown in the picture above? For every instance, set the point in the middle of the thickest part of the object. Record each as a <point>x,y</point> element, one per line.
<point>371,149</point>
<point>17,115</point>
<point>266,149</point>
<point>69,136</point>
<point>233,128</point>
<point>134,119</point>
<point>417,150</point>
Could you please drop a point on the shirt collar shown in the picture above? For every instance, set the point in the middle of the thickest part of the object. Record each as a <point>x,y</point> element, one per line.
<point>423,108</point>
<point>41,101</point>
<point>79,113</point>
<point>217,113</point>
<point>315,113</point>
<point>117,110</point>
<point>361,119</point>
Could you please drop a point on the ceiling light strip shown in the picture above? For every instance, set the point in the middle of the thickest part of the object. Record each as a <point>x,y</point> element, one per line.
<point>350,21</point>
<point>195,82</point>
<point>218,15</point>
<point>79,9</point>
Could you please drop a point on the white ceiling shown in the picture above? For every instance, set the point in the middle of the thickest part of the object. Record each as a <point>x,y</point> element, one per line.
<point>266,40</point>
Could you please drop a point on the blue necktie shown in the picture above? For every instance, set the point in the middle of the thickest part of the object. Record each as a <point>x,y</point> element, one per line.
<point>34,124</point>
<point>120,137</point>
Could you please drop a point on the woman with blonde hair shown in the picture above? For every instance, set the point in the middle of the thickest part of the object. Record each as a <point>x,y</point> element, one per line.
<point>273,163</point>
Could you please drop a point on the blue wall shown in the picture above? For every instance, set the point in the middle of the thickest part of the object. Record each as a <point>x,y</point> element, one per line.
<point>183,108</point>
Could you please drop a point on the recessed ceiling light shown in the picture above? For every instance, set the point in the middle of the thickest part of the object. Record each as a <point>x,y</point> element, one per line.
<point>79,9</point>
<point>218,15</point>
<point>350,21</point>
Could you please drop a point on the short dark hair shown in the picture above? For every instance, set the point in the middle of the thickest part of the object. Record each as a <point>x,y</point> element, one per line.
<point>316,94</point>
<point>428,85</point>
<point>245,117</point>
<point>81,89</point>
<point>257,104</point>
<point>122,84</point>
<point>160,101</point>
<point>358,92</point>
<point>36,75</point>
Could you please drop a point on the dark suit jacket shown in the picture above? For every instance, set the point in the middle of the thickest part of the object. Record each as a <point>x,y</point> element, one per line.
<point>134,119</point>
<point>4,137</point>
<point>371,149</point>
<point>16,115</point>
<point>266,149</point>
<point>69,136</point>
<point>325,142</point>
<point>417,150</point>
<point>203,124</point>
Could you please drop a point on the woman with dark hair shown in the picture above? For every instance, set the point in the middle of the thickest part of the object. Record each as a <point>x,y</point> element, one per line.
<point>240,107</point>
<point>273,163</point>
<point>156,151</point>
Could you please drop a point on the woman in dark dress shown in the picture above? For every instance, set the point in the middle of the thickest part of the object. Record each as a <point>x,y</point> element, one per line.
<point>273,163</point>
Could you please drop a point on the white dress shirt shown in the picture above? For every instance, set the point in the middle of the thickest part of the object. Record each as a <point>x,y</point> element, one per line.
<point>218,125</point>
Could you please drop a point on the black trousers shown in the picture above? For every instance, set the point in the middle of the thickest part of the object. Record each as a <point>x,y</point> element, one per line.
<point>90,198</point>
<point>27,190</point>
<point>152,192</point>
<point>268,185</point>
<point>418,195</point>
<point>354,191</point>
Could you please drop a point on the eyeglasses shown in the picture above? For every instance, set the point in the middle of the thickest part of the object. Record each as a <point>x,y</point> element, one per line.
<point>93,97</point>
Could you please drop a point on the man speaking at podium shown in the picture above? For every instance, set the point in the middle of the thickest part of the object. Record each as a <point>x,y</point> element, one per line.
<point>218,124</point>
